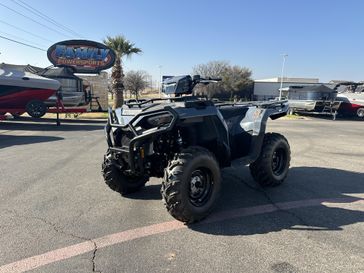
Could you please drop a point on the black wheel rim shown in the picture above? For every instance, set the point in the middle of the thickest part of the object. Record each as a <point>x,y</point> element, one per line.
<point>279,160</point>
<point>36,109</point>
<point>201,185</point>
<point>360,113</point>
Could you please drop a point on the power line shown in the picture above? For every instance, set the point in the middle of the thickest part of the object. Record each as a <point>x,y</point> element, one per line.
<point>25,31</point>
<point>35,21</point>
<point>44,16</point>
<point>50,19</point>
<point>20,38</point>
<point>21,43</point>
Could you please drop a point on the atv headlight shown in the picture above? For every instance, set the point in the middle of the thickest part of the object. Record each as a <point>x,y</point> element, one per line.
<point>159,120</point>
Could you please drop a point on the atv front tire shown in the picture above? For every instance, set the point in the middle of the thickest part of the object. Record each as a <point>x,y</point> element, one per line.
<point>117,180</point>
<point>271,167</point>
<point>191,184</point>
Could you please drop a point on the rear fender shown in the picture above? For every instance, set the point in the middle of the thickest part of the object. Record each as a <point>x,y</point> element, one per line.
<point>276,113</point>
<point>255,122</point>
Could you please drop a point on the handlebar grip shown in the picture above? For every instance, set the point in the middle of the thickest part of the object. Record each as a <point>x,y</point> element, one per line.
<point>215,79</point>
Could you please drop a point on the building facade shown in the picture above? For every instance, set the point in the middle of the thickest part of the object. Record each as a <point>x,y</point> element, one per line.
<point>267,89</point>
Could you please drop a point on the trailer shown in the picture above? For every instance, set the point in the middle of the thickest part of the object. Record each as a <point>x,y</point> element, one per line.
<point>59,108</point>
<point>314,99</point>
<point>327,108</point>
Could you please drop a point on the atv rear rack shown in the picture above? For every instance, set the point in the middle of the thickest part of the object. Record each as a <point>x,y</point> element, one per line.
<point>261,104</point>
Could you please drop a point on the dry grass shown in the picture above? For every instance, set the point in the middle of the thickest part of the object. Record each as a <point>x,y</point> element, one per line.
<point>141,96</point>
<point>294,116</point>
<point>88,115</point>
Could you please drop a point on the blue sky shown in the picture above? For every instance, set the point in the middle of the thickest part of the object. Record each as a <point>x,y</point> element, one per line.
<point>323,39</point>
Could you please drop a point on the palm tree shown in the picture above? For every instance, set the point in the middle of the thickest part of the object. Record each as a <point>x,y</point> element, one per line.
<point>122,48</point>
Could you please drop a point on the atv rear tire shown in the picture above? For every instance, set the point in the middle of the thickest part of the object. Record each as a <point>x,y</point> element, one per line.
<point>191,184</point>
<point>117,180</point>
<point>36,108</point>
<point>271,167</point>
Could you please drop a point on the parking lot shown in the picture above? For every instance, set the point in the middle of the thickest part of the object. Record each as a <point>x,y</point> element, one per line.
<point>57,215</point>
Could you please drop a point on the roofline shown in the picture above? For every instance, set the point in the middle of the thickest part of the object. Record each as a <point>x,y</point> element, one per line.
<point>288,80</point>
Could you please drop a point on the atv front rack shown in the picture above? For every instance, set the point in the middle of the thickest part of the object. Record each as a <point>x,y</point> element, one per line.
<point>140,104</point>
<point>131,149</point>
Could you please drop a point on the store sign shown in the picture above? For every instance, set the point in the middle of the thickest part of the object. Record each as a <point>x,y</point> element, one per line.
<point>84,56</point>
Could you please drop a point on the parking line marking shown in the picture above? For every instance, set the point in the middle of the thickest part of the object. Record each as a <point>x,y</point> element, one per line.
<point>131,234</point>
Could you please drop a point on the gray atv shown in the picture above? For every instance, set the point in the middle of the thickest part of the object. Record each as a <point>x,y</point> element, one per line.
<point>186,141</point>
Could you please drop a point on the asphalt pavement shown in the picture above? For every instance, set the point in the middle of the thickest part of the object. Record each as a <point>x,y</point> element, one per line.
<point>57,215</point>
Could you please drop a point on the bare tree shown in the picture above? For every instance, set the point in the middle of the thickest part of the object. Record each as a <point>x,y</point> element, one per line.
<point>211,69</point>
<point>136,81</point>
<point>236,80</point>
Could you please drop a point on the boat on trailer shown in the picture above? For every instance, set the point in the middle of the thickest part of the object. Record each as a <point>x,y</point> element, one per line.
<point>352,103</point>
<point>351,96</point>
<point>20,89</point>
<point>72,86</point>
<point>315,99</point>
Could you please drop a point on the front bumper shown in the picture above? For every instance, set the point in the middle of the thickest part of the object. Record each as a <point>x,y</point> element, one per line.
<point>134,150</point>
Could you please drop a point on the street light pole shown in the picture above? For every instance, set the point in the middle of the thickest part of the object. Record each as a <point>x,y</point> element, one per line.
<point>160,79</point>
<point>282,73</point>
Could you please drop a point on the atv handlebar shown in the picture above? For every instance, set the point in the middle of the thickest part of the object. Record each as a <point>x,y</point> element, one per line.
<point>183,85</point>
<point>197,79</point>
<point>209,79</point>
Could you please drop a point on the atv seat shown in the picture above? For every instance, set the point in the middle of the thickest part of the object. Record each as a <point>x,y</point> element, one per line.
<point>233,114</point>
<point>239,139</point>
<point>232,111</point>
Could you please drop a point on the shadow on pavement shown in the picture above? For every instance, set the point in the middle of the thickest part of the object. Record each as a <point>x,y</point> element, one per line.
<point>41,126</point>
<point>9,140</point>
<point>329,117</point>
<point>303,183</point>
<point>149,192</point>
<point>314,219</point>
<point>62,120</point>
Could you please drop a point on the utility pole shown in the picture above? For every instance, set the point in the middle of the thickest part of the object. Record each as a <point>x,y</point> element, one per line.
<point>282,73</point>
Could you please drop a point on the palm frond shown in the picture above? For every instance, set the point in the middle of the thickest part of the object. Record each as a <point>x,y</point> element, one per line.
<point>121,46</point>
